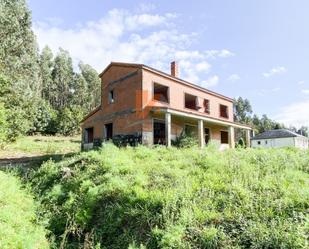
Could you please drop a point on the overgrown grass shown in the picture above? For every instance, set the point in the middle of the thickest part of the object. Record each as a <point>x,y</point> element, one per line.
<point>177,198</point>
<point>41,145</point>
<point>18,227</point>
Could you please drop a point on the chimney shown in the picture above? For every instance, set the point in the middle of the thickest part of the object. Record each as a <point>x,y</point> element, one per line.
<point>174,68</point>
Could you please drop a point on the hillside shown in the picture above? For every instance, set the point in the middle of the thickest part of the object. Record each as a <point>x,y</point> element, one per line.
<point>18,225</point>
<point>177,198</point>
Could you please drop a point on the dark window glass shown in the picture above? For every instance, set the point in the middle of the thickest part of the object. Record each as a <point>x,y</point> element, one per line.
<point>160,93</point>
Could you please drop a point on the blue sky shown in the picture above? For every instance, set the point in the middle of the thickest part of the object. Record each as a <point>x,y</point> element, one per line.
<point>255,49</point>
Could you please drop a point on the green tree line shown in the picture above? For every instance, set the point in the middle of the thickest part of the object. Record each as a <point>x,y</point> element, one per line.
<point>39,92</point>
<point>243,113</point>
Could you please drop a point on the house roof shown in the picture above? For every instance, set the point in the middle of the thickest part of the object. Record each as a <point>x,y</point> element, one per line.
<point>91,113</point>
<point>142,66</point>
<point>280,133</point>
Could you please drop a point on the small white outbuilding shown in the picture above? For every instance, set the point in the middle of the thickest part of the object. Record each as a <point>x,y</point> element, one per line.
<point>279,138</point>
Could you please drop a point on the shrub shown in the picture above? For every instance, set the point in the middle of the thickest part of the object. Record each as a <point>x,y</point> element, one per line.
<point>185,141</point>
<point>177,198</point>
<point>18,226</point>
<point>4,126</point>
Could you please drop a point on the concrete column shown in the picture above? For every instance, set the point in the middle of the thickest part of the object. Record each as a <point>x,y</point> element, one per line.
<point>231,137</point>
<point>201,137</point>
<point>168,125</point>
<point>248,138</point>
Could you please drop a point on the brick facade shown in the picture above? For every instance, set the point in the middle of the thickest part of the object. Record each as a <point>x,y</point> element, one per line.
<point>128,104</point>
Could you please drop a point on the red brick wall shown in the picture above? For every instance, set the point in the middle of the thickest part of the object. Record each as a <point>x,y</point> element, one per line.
<point>176,95</point>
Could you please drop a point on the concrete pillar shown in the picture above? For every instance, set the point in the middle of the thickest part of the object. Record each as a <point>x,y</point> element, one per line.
<point>201,137</point>
<point>231,137</point>
<point>168,125</point>
<point>248,138</point>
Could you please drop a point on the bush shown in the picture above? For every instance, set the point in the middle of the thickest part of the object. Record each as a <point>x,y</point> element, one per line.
<point>4,126</point>
<point>18,226</point>
<point>177,198</point>
<point>68,121</point>
<point>185,141</point>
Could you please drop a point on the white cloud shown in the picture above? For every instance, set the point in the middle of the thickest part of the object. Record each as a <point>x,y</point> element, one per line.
<point>203,66</point>
<point>127,36</point>
<point>274,71</point>
<point>305,91</point>
<point>224,53</point>
<point>211,81</point>
<point>301,82</point>
<point>296,114</point>
<point>234,77</point>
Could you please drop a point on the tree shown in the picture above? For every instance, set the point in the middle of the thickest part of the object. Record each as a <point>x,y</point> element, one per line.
<point>4,127</point>
<point>19,68</point>
<point>94,85</point>
<point>18,48</point>
<point>80,96</point>
<point>242,110</point>
<point>62,76</point>
<point>68,120</point>
<point>46,67</point>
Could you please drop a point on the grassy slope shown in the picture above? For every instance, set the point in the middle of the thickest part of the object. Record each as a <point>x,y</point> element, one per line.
<point>172,198</point>
<point>17,217</point>
<point>41,145</point>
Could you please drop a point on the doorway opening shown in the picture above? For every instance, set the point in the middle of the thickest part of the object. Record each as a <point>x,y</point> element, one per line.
<point>207,135</point>
<point>109,131</point>
<point>158,132</point>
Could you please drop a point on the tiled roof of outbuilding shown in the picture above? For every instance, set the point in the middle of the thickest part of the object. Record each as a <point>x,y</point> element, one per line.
<point>280,133</point>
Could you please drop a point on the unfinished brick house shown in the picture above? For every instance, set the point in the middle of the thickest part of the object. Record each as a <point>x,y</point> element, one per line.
<point>144,105</point>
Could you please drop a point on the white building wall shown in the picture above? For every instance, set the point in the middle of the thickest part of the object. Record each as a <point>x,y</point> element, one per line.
<point>274,142</point>
<point>302,142</point>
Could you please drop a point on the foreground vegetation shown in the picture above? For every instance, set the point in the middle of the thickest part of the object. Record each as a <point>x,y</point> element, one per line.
<point>18,226</point>
<point>31,146</point>
<point>176,198</point>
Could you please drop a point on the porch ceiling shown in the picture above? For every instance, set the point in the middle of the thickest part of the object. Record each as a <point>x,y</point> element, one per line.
<point>195,116</point>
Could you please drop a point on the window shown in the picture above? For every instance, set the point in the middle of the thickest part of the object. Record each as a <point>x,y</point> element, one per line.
<point>191,101</point>
<point>88,135</point>
<point>259,142</point>
<point>160,93</point>
<point>206,106</point>
<point>224,137</point>
<point>191,130</point>
<point>265,141</point>
<point>109,131</point>
<point>111,97</point>
<point>224,111</point>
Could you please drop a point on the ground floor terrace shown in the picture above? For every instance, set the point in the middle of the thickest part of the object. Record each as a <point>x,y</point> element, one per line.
<point>160,126</point>
<point>165,125</point>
